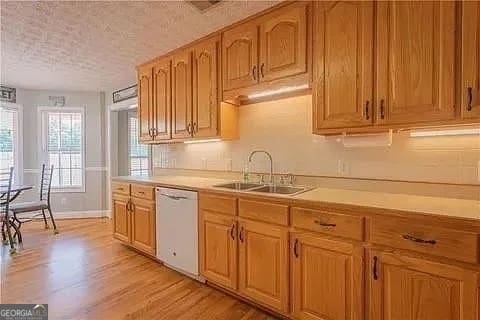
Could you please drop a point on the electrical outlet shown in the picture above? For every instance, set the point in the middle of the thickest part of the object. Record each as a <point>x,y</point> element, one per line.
<point>343,168</point>
<point>204,163</point>
<point>63,201</point>
<point>229,165</point>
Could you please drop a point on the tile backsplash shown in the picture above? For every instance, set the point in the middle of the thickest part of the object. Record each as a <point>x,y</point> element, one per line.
<point>284,129</point>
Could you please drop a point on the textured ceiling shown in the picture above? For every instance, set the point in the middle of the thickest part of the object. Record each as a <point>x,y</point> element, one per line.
<point>95,45</point>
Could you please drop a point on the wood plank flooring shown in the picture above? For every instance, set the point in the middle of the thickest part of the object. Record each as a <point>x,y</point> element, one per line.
<point>83,273</point>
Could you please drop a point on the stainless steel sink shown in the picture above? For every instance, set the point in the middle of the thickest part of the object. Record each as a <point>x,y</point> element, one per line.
<point>290,190</point>
<point>238,185</point>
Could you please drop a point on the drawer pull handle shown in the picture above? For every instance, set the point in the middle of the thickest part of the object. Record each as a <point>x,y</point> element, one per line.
<point>324,224</point>
<point>240,236</point>
<point>470,99</point>
<point>382,109</point>
<point>295,248</point>
<point>232,230</point>
<point>375,268</point>
<point>141,192</point>
<point>418,240</point>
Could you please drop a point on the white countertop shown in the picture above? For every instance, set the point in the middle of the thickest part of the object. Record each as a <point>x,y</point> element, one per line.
<point>459,208</point>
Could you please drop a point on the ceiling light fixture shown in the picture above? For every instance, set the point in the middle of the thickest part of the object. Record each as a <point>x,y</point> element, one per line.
<point>445,132</point>
<point>202,141</point>
<point>277,91</point>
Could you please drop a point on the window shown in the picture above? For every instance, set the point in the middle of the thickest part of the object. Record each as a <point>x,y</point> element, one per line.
<point>10,142</point>
<point>63,144</point>
<point>138,153</point>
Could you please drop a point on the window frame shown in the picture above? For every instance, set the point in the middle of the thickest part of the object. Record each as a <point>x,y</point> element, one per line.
<point>43,135</point>
<point>18,171</point>
<point>133,114</point>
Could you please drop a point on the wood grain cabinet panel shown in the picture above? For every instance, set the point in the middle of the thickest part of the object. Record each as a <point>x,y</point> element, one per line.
<point>218,249</point>
<point>343,64</point>
<point>206,100</point>
<point>162,99</point>
<point>415,53</point>
<point>182,94</point>
<point>218,203</point>
<point>405,288</point>
<point>240,56</point>
<point>143,225</point>
<point>283,42</point>
<point>327,278</point>
<point>470,85</point>
<point>145,103</point>
<point>263,264</point>
<point>121,217</point>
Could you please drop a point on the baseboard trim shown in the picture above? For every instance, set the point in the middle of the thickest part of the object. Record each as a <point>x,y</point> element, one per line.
<point>81,214</point>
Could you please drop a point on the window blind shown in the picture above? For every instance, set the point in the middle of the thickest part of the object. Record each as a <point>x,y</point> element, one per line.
<point>8,138</point>
<point>138,153</point>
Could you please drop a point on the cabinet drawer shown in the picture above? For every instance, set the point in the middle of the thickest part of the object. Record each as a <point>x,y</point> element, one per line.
<point>121,188</point>
<point>263,211</point>
<point>335,224</point>
<point>448,243</point>
<point>217,203</point>
<point>143,192</point>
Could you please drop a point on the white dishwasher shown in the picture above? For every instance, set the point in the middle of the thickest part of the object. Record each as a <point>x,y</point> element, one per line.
<point>177,230</point>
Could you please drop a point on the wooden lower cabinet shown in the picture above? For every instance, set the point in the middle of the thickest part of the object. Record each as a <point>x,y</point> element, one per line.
<point>218,249</point>
<point>326,278</point>
<point>121,217</point>
<point>407,288</point>
<point>143,225</point>
<point>263,264</point>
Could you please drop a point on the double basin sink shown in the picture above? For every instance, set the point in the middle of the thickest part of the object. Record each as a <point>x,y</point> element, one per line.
<point>277,189</point>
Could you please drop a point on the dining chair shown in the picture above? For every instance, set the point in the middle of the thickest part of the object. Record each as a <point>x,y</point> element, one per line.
<point>43,204</point>
<point>6,177</point>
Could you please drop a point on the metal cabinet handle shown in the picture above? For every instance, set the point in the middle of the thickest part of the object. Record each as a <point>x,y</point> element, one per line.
<point>150,132</point>
<point>240,236</point>
<point>375,268</point>
<point>382,109</point>
<point>325,224</point>
<point>254,72</point>
<point>232,232</point>
<point>295,248</point>
<point>367,111</point>
<point>189,128</point>
<point>418,240</point>
<point>154,132</point>
<point>261,70</point>
<point>470,98</point>
<point>195,127</point>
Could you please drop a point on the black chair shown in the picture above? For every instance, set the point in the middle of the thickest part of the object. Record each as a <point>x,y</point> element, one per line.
<point>6,177</point>
<point>43,204</point>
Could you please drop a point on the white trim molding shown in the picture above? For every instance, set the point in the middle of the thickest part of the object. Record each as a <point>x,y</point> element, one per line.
<point>81,214</point>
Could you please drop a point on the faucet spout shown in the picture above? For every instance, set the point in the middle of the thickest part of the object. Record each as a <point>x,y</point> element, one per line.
<point>269,157</point>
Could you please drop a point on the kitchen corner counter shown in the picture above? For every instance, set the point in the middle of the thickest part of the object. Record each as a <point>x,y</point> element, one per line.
<point>446,207</point>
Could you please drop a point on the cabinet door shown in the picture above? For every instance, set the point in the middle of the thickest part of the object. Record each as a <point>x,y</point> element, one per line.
<point>145,103</point>
<point>121,217</point>
<point>415,49</point>
<point>470,86</point>
<point>327,278</point>
<point>182,94</point>
<point>283,42</point>
<point>240,56</point>
<point>206,100</point>
<point>218,249</point>
<point>162,99</point>
<point>263,264</point>
<point>143,225</point>
<point>343,64</point>
<point>405,288</point>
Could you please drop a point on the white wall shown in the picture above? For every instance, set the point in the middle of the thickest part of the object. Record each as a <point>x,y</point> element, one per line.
<point>94,198</point>
<point>284,129</point>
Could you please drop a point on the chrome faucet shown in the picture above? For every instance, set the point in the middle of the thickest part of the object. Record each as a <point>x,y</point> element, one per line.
<point>269,157</point>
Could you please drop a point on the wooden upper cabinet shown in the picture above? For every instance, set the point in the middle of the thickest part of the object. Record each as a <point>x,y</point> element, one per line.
<point>283,42</point>
<point>343,64</point>
<point>121,217</point>
<point>263,264</point>
<point>162,99</point>
<point>143,225</point>
<point>218,249</point>
<point>182,94</point>
<point>415,46</point>
<point>470,85</point>
<point>327,278</point>
<point>240,56</point>
<point>408,288</point>
<point>206,97</point>
<point>145,103</point>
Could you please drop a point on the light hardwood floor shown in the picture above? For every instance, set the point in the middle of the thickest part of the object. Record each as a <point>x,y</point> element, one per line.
<point>83,273</point>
